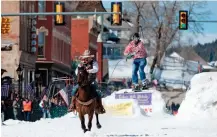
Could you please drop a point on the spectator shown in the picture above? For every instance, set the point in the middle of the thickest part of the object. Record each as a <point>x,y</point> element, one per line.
<point>129,82</point>
<point>174,108</point>
<point>16,107</point>
<point>27,108</point>
<point>200,67</point>
<point>45,106</point>
<point>3,110</point>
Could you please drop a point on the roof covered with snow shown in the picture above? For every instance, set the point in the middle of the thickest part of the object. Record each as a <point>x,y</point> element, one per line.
<point>176,55</point>
<point>188,53</point>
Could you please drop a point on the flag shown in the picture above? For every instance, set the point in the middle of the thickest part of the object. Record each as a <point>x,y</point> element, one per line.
<point>30,88</point>
<point>69,89</point>
<point>44,92</point>
<point>64,95</point>
<point>5,90</point>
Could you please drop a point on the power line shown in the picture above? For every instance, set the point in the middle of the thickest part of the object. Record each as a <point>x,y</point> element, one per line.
<point>56,13</point>
<point>211,21</point>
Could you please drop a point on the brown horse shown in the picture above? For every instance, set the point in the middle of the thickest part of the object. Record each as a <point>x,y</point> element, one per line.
<point>86,100</point>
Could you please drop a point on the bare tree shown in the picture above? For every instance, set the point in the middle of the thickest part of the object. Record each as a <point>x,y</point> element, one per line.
<point>159,20</point>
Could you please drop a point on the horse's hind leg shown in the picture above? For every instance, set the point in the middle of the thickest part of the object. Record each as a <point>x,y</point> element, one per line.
<point>97,121</point>
<point>82,119</point>
<point>90,120</point>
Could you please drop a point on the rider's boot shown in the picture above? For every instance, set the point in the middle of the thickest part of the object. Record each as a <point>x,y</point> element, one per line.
<point>72,105</point>
<point>100,107</point>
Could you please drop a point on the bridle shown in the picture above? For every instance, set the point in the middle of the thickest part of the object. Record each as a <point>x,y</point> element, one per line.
<point>82,79</point>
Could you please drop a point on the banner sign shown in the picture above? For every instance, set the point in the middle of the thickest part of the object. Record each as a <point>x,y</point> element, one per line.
<point>142,98</point>
<point>121,109</point>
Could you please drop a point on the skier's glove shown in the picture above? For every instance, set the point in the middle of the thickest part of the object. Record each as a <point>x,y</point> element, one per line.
<point>129,56</point>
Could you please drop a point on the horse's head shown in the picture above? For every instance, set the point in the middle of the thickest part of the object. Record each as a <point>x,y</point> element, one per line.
<point>82,76</point>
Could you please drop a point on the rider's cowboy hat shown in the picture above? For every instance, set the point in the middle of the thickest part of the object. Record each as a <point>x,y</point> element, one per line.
<point>86,54</point>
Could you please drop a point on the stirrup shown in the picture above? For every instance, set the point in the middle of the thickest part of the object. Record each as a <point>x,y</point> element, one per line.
<point>101,109</point>
<point>73,108</point>
<point>70,110</point>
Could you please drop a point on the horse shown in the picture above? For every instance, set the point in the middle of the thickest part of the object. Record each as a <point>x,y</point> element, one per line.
<point>85,100</point>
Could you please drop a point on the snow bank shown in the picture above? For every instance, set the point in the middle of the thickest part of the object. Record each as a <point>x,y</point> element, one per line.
<point>213,63</point>
<point>201,99</point>
<point>157,106</point>
<point>110,103</point>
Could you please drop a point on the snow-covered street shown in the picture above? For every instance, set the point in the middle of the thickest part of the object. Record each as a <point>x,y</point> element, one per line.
<point>111,126</point>
<point>197,117</point>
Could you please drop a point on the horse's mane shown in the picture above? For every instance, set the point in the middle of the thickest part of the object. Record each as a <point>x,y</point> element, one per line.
<point>82,78</point>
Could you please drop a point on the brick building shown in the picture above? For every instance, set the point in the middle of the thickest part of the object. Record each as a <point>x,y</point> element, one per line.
<point>53,43</point>
<point>84,33</point>
<point>19,41</point>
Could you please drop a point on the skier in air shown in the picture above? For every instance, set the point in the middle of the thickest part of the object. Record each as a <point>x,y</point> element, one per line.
<point>136,50</point>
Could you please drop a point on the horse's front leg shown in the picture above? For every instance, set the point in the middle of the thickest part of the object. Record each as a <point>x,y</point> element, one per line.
<point>82,119</point>
<point>90,120</point>
<point>97,121</point>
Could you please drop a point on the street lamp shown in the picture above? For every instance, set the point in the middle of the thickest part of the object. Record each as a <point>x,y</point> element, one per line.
<point>37,76</point>
<point>3,71</point>
<point>19,72</point>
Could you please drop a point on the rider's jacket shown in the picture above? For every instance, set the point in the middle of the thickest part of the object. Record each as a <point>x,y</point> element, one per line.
<point>93,69</point>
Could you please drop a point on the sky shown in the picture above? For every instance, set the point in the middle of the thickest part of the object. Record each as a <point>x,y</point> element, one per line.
<point>210,29</point>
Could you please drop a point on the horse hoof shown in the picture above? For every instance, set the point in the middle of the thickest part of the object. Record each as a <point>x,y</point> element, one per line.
<point>98,126</point>
<point>85,130</point>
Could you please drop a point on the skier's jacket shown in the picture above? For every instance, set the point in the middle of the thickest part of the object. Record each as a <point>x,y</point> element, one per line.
<point>136,50</point>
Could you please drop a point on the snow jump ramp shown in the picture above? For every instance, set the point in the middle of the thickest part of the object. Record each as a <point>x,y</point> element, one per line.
<point>128,103</point>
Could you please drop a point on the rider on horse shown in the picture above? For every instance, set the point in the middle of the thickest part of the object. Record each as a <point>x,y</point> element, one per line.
<point>91,65</point>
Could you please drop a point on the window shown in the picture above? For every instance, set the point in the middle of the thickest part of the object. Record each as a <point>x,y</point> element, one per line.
<point>44,76</point>
<point>30,76</point>
<point>119,33</point>
<point>104,51</point>
<point>116,52</point>
<point>41,8</point>
<point>41,44</point>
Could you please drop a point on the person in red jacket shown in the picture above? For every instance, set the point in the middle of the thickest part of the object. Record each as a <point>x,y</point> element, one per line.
<point>136,50</point>
<point>27,108</point>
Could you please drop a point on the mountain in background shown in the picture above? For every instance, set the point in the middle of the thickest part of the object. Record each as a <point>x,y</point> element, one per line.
<point>201,52</point>
<point>207,51</point>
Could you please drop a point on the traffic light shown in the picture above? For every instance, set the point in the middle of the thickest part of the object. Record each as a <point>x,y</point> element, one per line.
<point>5,25</point>
<point>183,20</point>
<point>116,19</point>
<point>59,19</point>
